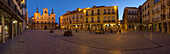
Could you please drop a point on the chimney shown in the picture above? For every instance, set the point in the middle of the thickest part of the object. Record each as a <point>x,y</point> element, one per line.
<point>94,6</point>
<point>68,12</point>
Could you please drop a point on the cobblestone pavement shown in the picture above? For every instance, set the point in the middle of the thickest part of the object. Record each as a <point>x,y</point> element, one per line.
<point>132,42</point>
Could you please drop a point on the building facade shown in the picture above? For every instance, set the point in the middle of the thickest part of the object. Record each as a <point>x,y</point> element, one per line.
<point>156,15</point>
<point>13,18</point>
<point>132,19</point>
<point>94,18</point>
<point>45,21</point>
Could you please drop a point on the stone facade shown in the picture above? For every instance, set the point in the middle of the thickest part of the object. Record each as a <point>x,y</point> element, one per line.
<point>156,15</point>
<point>13,18</point>
<point>131,19</point>
<point>45,21</point>
<point>94,18</point>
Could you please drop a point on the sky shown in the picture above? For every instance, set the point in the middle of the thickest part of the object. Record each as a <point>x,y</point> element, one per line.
<point>62,6</point>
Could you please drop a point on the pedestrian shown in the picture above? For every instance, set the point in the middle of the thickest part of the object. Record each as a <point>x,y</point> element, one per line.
<point>111,30</point>
<point>76,30</point>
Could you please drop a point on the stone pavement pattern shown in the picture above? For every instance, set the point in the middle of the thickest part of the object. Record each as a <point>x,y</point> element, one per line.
<point>42,42</point>
<point>36,42</point>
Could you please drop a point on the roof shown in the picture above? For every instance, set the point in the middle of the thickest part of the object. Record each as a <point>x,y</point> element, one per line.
<point>131,7</point>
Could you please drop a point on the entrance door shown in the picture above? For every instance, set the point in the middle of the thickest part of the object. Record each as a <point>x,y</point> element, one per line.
<point>45,27</point>
<point>165,27</point>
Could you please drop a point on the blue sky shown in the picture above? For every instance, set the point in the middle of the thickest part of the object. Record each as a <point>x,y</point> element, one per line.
<point>62,6</point>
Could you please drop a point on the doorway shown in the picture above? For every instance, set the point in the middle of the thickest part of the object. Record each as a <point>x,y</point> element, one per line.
<point>45,27</point>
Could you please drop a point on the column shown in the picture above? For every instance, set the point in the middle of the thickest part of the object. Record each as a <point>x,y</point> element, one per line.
<point>16,28</point>
<point>168,27</point>
<point>84,26</point>
<point>11,28</point>
<point>19,28</point>
<point>157,27</point>
<point>126,27</point>
<point>3,28</point>
<point>162,28</point>
<point>116,27</point>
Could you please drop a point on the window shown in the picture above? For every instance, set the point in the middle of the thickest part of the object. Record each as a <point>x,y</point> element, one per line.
<point>37,21</point>
<point>129,12</point>
<point>9,2</point>
<point>81,16</point>
<point>108,18</point>
<point>92,19</point>
<point>77,17</point>
<point>86,13</point>
<point>113,17</point>
<point>86,19</point>
<point>129,26</point>
<point>92,12</point>
<point>132,26</point>
<point>52,17</point>
<point>37,17</point>
<point>98,18</point>
<point>98,11</point>
<point>73,16</point>
<point>108,11</point>
<point>69,17</point>
<point>132,11</point>
<point>104,11</point>
<point>113,11</point>
<point>104,18</point>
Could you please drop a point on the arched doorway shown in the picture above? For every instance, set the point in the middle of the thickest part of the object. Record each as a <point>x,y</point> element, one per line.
<point>45,27</point>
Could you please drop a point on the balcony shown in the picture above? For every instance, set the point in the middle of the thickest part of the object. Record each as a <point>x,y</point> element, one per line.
<point>98,21</point>
<point>104,21</point>
<point>113,12</point>
<point>87,22</point>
